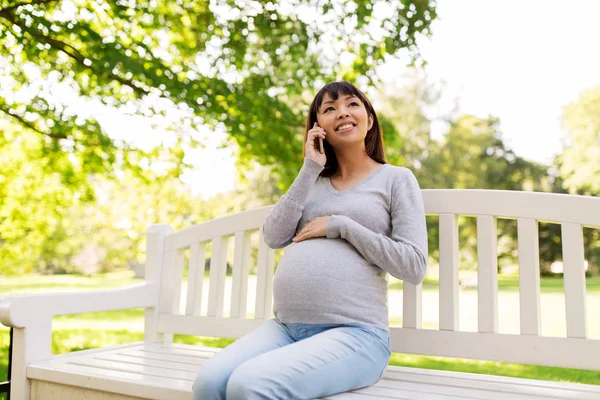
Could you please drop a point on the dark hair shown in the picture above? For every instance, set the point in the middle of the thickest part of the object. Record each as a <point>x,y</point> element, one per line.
<point>374,139</point>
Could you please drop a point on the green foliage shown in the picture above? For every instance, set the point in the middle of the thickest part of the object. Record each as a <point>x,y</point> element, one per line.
<point>472,155</point>
<point>247,68</point>
<point>235,64</point>
<point>579,163</point>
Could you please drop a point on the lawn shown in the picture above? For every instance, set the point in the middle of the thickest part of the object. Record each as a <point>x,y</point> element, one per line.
<point>84,331</point>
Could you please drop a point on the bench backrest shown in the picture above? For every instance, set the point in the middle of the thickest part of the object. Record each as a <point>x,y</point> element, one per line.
<point>166,260</point>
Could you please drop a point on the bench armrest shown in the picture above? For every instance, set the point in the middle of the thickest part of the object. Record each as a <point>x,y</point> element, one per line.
<point>27,310</point>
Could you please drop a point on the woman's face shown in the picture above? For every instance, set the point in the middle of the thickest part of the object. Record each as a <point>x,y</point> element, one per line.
<point>345,120</point>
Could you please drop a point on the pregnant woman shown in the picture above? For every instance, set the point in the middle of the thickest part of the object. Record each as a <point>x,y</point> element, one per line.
<point>348,219</point>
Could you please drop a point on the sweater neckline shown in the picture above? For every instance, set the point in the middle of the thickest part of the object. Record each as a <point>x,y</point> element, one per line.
<point>368,178</point>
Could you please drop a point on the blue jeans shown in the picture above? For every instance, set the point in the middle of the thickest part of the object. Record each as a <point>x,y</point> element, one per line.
<point>295,361</point>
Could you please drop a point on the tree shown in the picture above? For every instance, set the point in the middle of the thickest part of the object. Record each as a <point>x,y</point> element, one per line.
<point>579,163</point>
<point>405,101</point>
<point>247,67</point>
<point>473,155</point>
<point>238,64</point>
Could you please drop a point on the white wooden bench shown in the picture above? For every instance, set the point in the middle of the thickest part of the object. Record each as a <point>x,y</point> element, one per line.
<point>159,369</point>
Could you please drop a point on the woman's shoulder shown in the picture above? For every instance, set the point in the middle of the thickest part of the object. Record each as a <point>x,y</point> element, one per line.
<point>401,178</point>
<point>399,172</point>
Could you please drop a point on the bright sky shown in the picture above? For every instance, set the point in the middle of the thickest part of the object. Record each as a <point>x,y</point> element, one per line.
<point>521,61</point>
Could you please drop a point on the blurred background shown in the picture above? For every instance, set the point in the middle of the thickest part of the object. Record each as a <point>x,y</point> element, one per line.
<point>115,115</point>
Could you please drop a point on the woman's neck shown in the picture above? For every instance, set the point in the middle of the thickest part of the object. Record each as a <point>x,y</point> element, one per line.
<point>353,166</point>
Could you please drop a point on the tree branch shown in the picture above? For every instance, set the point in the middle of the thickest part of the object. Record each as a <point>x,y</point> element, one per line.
<point>28,124</point>
<point>34,2</point>
<point>68,50</point>
<point>51,135</point>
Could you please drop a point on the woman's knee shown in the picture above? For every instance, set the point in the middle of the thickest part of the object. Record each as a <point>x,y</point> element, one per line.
<point>209,385</point>
<point>248,384</point>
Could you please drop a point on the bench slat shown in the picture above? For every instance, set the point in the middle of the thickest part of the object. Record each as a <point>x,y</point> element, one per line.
<point>529,276</point>
<point>574,279</point>
<point>170,296</point>
<point>156,362</point>
<point>520,349</point>
<point>457,384</point>
<point>379,392</point>
<point>240,274</point>
<point>223,226</point>
<point>195,278</point>
<point>135,368</point>
<point>160,356</point>
<point>448,301</point>
<point>487,274</point>
<point>191,354</point>
<point>218,272</point>
<point>411,390</point>
<point>548,207</point>
<point>171,285</point>
<point>480,380</point>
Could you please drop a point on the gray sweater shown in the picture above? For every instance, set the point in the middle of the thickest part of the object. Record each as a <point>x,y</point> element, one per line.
<point>376,227</point>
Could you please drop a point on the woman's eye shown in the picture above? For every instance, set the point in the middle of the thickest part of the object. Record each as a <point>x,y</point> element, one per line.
<point>354,103</point>
<point>328,108</point>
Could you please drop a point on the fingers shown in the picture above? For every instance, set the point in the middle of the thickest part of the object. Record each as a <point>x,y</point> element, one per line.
<point>304,233</point>
<point>316,132</point>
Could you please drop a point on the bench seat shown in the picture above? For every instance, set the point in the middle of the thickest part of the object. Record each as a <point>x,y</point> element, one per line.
<point>159,371</point>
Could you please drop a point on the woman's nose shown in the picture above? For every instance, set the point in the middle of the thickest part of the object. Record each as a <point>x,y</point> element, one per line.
<point>342,113</point>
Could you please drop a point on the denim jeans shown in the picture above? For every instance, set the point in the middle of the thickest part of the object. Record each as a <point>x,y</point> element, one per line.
<point>295,361</point>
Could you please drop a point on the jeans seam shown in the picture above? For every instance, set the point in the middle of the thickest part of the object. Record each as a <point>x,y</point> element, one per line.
<point>343,357</point>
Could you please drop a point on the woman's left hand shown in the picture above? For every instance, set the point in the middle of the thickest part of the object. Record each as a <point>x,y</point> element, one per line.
<point>315,228</point>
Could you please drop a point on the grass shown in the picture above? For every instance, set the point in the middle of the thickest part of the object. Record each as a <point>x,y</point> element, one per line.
<point>91,330</point>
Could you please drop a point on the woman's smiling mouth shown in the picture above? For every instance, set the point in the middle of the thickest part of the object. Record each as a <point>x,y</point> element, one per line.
<point>344,128</point>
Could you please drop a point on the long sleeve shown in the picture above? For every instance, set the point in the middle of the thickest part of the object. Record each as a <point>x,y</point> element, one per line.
<point>404,255</point>
<point>281,223</point>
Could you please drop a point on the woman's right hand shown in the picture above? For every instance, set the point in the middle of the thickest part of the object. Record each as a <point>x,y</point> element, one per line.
<point>312,144</point>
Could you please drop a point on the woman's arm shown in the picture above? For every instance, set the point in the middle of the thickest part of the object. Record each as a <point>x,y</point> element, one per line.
<point>281,223</point>
<point>404,255</point>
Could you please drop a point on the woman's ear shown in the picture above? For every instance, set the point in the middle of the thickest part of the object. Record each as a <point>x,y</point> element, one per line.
<point>371,120</point>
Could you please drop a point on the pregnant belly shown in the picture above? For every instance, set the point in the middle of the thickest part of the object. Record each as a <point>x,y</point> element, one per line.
<point>335,258</point>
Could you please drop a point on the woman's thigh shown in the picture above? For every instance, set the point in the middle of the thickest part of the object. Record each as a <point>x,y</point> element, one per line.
<point>211,381</point>
<point>333,361</point>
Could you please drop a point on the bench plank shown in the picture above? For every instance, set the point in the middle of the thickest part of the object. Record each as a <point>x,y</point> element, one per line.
<point>156,362</point>
<point>218,272</point>
<point>195,279</point>
<point>574,274</point>
<point>520,349</point>
<point>487,274</point>
<point>240,274</point>
<point>448,301</point>
<point>529,276</point>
